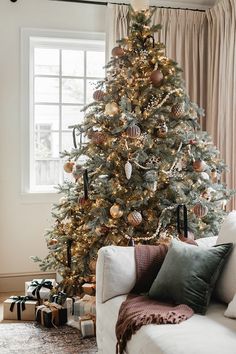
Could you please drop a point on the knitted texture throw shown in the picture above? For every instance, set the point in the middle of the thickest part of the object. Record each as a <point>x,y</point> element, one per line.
<point>138,310</point>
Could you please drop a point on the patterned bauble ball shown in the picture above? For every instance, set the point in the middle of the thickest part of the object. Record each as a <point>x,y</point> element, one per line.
<point>111,108</point>
<point>98,95</point>
<point>135,218</point>
<point>116,212</point>
<point>98,138</point>
<point>68,166</point>
<point>52,243</point>
<point>200,210</point>
<point>133,131</point>
<point>178,110</point>
<point>199,165</point>
<point>156,77</point>
<point>162,130</point>
<point>117,52</point>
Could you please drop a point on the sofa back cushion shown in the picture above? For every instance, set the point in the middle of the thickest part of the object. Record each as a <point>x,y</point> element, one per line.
<point>226,284</point>
<point>115,272</point>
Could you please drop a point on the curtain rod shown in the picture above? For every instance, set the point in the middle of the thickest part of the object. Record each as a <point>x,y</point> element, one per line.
<point>106,3</point>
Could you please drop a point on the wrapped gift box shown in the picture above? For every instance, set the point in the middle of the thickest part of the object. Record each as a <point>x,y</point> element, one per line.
<point>51,314</point>
<point>58,298</point>
<point>89,288</point>
<point>87,325</point>
<point>69,304</point>
<point>85,306</point>
<point>39,288</point>
<point>19,308</point>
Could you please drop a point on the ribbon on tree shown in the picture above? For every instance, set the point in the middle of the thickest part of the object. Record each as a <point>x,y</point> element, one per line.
<point>44,284</point>
<point>85,179</point>
<point>184,224</point>
<point>19,301</point>
<point>69,244</point>
<point>74,138</point>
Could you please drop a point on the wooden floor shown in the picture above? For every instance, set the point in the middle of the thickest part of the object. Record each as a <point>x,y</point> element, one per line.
<point>3,297</point>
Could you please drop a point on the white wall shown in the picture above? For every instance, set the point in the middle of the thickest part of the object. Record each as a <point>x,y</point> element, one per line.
<point>22,222</point>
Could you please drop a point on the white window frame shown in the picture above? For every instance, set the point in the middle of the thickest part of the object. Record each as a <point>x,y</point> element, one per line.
<point>47,39</point>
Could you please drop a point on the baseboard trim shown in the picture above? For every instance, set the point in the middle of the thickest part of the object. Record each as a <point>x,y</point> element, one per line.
<point>16,282</point>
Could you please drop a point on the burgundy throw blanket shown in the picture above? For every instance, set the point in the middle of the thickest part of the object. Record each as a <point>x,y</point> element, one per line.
<point>138,310</point>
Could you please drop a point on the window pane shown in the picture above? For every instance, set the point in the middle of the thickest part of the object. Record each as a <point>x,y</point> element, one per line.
<point>95,64</point>
<point>46,142</point>
<point>72,63</point>
<point>46,89</point>
<point>46,172</point>
<point>72,91</point>
<point>67,141</point>
<point>71,115</point>
<point>90,88</point>
<point>45,114</point>
<point>46,61</point>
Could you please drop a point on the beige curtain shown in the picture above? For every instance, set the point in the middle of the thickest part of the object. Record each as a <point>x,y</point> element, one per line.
<point>184,34</point>
<point>221,84</point>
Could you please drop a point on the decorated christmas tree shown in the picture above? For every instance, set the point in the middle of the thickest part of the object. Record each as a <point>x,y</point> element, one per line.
<point>144,156</point>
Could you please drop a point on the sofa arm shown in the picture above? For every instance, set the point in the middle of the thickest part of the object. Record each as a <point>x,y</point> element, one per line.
<point>115,272</point>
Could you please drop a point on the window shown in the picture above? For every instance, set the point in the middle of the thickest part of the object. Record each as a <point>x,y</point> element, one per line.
<point>62,75</point>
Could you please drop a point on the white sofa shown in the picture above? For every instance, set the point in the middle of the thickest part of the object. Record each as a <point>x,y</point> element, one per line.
<point>210,334</point>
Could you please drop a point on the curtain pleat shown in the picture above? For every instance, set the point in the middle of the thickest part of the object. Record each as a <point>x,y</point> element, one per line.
<point>221,95</point>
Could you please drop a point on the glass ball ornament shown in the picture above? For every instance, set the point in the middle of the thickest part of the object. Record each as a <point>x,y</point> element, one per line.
<point>52,243</point>
<point>68,166</point>
<point>200,210</point>
<point>135,218</point>
<point>156,78</point>
<point>116,211</point>
<point>162,130</point>
<point>98,138</point>
<point>98,95</point>
<point>117,51</point>
<point>111,108</point>
<point>133,131</point>
<point>199,165</point>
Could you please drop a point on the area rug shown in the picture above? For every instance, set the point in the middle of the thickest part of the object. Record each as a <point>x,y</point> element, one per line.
<point>31,338</point>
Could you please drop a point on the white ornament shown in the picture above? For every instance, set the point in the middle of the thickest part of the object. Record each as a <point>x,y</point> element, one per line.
<point>128,170</point>
<point>205,176</point>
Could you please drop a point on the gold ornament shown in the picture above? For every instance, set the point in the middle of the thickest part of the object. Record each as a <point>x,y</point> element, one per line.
<point>128,170</point>
<point>199,165</point>
<point>133,131</point>
<point>111,108</point>
<point>178,110</point>
<point>68,166</point>
<point>200,210</point>
<point>214,176</point>
<point>135,218</point>
<point>116,212</point>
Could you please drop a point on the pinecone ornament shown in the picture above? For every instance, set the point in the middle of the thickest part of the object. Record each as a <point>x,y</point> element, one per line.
<point>128,170</point>
<point>178,110</point>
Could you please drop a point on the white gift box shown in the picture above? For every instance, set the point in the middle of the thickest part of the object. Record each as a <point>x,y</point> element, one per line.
<point>43,293</point>
<point>87,328</point>
<point>69,304</point>
<point>84,306</point>
<point>18,312</point>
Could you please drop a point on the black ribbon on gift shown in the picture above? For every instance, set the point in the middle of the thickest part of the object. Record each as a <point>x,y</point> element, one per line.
<point>184,224</point>
<point>20,303</point>
<point>58,298</point>
<point>44,284</point>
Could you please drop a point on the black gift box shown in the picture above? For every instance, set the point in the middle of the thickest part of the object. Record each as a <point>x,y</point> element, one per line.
<point>47,318</point>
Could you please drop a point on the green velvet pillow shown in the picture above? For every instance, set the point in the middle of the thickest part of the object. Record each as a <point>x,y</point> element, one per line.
<point>189,273</point>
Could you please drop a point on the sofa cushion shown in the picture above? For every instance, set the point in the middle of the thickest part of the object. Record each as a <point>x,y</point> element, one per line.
<point>231,309</point>
<point>115,272</point>
<point>226,285</point>
<point>188,274</point>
